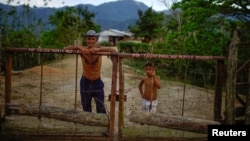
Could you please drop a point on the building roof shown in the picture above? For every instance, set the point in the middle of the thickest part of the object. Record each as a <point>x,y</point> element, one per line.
<point>114,32</point>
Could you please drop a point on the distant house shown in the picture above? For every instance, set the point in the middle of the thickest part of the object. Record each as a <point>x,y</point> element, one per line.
<point>113,36</point>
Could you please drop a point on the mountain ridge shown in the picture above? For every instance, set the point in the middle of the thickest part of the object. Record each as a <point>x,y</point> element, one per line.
<point>117,14</point>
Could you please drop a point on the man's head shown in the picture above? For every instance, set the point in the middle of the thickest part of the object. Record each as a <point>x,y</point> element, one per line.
<point>91,33</point>
<point>91,38</point>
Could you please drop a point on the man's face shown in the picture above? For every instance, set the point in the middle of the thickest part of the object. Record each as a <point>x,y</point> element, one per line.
<point>91,41</point>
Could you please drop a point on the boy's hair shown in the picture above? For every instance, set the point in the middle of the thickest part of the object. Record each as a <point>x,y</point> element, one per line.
<point>149,64</point>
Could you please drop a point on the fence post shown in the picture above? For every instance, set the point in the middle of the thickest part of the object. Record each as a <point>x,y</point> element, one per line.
<point>8,70</point>
<point>231,79</point>
<point>121,99</point>
<point>113,97</point>
<point>220,73</point>
<point>1,57</point>
<point>247,118</point>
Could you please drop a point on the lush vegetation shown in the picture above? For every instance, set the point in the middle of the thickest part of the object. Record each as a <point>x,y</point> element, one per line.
<point>26,31</point>
<point>195,27</point>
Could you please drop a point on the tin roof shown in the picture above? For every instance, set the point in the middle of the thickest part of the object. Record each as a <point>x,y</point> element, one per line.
<point>114,32</point>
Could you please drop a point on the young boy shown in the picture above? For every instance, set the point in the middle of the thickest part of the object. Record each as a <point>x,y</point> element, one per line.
<point>91,85</point>
<point>151,85</point>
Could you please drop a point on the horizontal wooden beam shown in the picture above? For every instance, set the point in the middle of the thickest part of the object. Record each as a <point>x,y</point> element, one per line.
<point>122,55</point>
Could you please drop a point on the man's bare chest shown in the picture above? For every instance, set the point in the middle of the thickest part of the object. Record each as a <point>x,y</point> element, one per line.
<point>91,59</point>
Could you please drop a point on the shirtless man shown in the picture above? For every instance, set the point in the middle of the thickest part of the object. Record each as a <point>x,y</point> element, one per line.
<point>151,85</point>
<point>91,85</point>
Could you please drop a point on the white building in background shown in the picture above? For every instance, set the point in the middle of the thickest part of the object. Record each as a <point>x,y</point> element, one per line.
<point>113,36</point>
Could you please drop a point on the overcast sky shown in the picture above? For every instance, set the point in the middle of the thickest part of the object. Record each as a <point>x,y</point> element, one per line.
<point>155,4</point>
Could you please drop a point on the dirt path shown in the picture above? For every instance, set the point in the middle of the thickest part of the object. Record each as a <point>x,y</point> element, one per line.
<point>60,86</point>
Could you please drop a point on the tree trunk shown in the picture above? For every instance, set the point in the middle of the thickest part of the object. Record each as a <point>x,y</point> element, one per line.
<point>86,118</point>
<point>171,121</point>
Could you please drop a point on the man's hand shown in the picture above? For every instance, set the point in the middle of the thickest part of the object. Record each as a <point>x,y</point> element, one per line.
<point>94,50</point>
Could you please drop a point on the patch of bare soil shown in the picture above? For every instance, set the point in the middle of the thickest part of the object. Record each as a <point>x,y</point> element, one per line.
<point>57,84</point>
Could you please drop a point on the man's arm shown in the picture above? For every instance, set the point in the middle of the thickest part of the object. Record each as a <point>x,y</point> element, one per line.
<point>71,47</point>
<point>107,49</point>
<point>83,50</point>
<point>101,49</point>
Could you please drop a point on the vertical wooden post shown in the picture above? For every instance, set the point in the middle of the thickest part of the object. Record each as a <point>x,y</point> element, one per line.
<point>231,79</point>
<point>121,99</point>
<point>220,73</point>
<point>113,97</point>
<point>247,118</point>
<point>41,86</point>
<point>8,69</point>
<point>77,42</point>
<point>184,90</point>
<point>76,80</point>
<point>1,56</point>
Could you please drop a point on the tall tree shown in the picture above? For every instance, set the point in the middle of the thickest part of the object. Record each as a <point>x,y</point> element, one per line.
<point>70,24</point>
<point>148,24</point>
<point>195,29</point>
